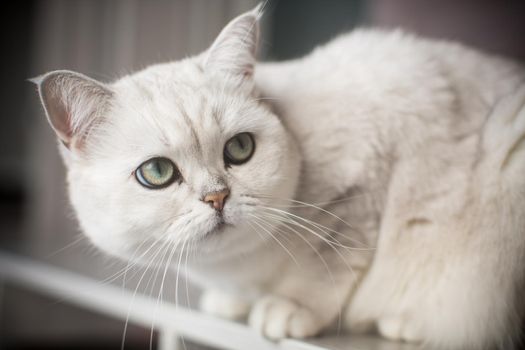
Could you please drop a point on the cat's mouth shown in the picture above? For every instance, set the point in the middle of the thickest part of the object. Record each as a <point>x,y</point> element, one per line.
<point>220,226</point>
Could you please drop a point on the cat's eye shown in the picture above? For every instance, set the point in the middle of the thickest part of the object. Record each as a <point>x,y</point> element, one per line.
<point>239,149</point>
<point>157,173</point>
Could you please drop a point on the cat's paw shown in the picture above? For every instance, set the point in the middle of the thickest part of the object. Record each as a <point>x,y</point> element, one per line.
<point>224,305</point>
<point>277,318</point>
<point>398,328</point>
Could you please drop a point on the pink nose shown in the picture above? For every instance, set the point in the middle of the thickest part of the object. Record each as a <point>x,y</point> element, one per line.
<point>216,199</point>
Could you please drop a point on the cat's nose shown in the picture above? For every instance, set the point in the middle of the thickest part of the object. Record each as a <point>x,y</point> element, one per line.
<point>216,199</point>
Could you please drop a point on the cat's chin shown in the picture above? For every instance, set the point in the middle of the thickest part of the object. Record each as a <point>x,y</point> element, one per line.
<point>224,238</point>
<point>222,224</point>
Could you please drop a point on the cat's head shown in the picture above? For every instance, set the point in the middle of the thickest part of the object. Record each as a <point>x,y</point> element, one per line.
<point>182,153</point>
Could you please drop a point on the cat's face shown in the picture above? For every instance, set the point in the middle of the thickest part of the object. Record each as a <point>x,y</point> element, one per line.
<point>179,154</point>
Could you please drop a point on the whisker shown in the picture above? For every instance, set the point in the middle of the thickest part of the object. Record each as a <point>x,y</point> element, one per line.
<point>325,264</point>
<point>258,233</point>
<point>67,246</point>
<point>177,276</point>
<point>314,206</point>
<point>152,282</point>
<point>177,284</point>
<point>306,205</point>
<point>318,208</point>
<point>285,216</point>
<point>273,228</point>
<point>186,273</point>
<point>321,227</point>
<point>331,244</point>
<point>274,238</point>
<point>135,293</point>
<point>134,263</point>
<point>161,288</point>
<point>124,270</point>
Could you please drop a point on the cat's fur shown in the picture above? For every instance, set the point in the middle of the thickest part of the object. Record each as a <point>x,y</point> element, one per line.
<point>412,153</point>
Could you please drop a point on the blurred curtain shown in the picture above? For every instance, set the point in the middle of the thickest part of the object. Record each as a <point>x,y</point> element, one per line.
<point>494,26</point>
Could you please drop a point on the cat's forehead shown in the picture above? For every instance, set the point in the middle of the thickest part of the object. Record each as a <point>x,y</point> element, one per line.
<point>162,81</point>
<point>169,109</point>
<point>184,94</point>
<point>180,105</point>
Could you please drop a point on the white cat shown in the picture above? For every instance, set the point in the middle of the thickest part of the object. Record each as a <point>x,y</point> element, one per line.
<point>379,181</point>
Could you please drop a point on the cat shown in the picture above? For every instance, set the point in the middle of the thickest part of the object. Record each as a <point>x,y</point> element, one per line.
<point>376,183</point>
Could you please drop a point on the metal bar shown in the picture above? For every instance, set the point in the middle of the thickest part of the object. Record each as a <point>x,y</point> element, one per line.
<point>168,340</point>
<point>2,309</point>
<point>114,301</point>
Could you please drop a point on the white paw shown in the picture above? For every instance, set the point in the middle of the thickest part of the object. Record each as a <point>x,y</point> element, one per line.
<point>398,328</point>
<point>223,305</point>
<point>277,318</point>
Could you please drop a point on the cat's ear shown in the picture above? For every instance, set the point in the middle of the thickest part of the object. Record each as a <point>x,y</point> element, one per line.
<point>73,104</point>
<point>233,52</point>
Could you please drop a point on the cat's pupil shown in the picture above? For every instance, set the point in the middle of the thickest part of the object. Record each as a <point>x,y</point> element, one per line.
<point>157,168</point>
<point>241,144</point>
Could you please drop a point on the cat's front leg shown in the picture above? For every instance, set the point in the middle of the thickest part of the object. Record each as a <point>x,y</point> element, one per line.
<point>224,305</point>
<point>278,317</point>
<point>301,306</point>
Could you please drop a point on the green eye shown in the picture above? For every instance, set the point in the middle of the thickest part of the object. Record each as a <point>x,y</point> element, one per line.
<point>157,173</point>
<point>239,149</point>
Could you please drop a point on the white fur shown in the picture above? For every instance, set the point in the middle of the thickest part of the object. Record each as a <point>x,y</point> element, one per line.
<point>386,189</point>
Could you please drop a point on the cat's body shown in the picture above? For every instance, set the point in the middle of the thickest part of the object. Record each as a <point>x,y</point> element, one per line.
<point>386,187</point>
<point>403,121</point>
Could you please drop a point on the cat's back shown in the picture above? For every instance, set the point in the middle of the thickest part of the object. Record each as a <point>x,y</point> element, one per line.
<point>365,95</point>
<point>368,66</point>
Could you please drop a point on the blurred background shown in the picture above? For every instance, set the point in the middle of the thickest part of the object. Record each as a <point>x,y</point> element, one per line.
<point>106,39</point>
